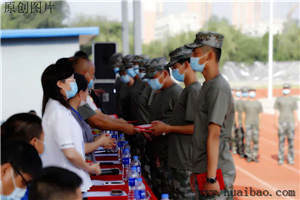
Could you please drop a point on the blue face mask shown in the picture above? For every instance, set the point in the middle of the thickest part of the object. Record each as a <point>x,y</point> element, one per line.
<point>17,194</point>
<point>252,94</point>
<point>244,94</point>
<point>238,94</point>
<point>131,72</point>
<point>155,84</point>
<point>91,83</point>
<point>146,80</point>
<point>125,78</point>
<point>116,70</point>
<point>286,91</point>
<point>177,75</point>
<point>74,89</point>
<point>136,69</point>
<point>194,61</point>
<point>141,74</point>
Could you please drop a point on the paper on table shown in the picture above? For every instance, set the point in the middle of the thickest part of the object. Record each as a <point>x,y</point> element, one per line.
<point>106,154</point>
<point>144,126</point>
<point>115,162</point>
<point>101,194</point>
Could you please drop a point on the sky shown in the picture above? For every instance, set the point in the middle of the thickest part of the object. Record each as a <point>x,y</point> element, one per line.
<point>111,9</point>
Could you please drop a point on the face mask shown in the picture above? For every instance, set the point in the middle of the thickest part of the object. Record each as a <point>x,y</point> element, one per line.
<point>194,61</point>
<point>136,68</point>
<point>177,75</point>
<point>252,94</point>
<point>286,91</point>
<point>91,83</point>
<point>116,70</point>
<point>155,84</point>
<point>141,74</point>
<point>74,89</point>
<point>125,78</point>
<point>131,72</point>
<point>238,94</point>
<point>245,94</point>
<point>17,194</point>
<point>146,80</point>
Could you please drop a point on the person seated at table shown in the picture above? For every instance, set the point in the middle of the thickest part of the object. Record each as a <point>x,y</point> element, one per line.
<point>20,162</point>
<point>55,183</point>
<point>64,145</point>
<point>91,145</point>
<point>26,127</point>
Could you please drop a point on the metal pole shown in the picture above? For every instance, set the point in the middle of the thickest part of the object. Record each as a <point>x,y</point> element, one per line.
<point>270,82</point>
<point>137,17</point>
<point>125,28</point>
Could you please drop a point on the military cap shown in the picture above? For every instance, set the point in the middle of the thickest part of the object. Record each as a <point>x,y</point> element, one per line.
<point>244,90</point>
<point>179,54</point>
<point>156,65</point>
<point>252,90</point>
<point>116,60</point>
<point>210,39</point>
<point>286,86</point>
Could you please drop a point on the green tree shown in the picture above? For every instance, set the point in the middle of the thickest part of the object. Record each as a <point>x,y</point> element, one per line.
<point>16,20</point>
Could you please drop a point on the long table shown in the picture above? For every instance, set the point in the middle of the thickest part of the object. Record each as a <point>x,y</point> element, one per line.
<point>100,192</point>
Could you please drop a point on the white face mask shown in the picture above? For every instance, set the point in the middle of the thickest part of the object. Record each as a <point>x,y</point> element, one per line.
<point>17,194</point>
<point>286,91</point>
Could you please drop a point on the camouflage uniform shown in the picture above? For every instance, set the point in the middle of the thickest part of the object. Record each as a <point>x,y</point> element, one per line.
<point>286,105</point>
<point>215,105</point>
<point>252,110</point>
<point>161,108</point>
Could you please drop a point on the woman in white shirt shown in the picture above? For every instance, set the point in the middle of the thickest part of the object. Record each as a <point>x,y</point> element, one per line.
<point>64,145</point>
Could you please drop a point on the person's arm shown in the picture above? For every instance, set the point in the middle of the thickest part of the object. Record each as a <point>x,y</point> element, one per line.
<point>108,124</point>
<point>159,127</point>
<point>103,140</point>
<point>236,119</point>
<point>76,159</point>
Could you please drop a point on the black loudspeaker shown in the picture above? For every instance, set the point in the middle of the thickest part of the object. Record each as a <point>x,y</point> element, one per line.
<point>102,54</point>
<point>108,98</point>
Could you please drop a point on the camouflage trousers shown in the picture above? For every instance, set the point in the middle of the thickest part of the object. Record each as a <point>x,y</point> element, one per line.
<point>237,140</point>
<point>251,141</point>
<point>180,185</point>
<point>286,130</point>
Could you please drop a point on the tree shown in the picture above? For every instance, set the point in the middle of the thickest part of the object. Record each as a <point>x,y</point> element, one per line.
<point>20,16</point>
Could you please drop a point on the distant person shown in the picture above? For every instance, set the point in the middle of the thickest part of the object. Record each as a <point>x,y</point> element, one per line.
<point>252,110</point>
<point>286,123</point>
<point>63,135</point>
<point>26,127</point>
<point>56,183</point>
<point>239,132</point>
<point>20,163</point>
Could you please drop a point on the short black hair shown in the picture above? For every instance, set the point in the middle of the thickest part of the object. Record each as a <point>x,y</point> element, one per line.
<point>22,126</point>
<point>22,156</point>
<point>81,82</point>
<point>181,61</point>
<point>54,183</point>
<point>217,51</point>
<point>81,54</point>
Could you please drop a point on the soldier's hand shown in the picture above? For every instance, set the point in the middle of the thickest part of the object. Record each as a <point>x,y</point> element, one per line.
<point>105,141</point>
<point>159,127</point>
<point>129,129</point>
<point>211,189</point>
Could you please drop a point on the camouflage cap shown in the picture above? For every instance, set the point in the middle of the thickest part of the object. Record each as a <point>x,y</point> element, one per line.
<point>211,39</point>
<point>128,61</point>
<point>116,60</point>
<point>156,65</point>
<point>286,86</point>
<point>178,54</point>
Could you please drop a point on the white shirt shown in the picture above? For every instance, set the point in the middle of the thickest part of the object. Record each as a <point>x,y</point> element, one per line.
<point>62,131</point>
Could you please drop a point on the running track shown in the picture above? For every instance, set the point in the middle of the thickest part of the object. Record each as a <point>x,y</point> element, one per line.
<point>267,174</point>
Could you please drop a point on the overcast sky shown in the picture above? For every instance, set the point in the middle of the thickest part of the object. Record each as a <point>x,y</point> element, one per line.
<point>111,9</point>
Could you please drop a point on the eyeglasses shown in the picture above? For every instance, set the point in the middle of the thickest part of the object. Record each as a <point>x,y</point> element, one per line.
<point>24,181</point>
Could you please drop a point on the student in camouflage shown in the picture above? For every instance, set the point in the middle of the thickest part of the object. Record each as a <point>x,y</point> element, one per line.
<point>213,120</point>
<point>181,127</point>
<point>252,110</point>
<point>286,123</point>
<point>238,123</point>
<point>162,105</point>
